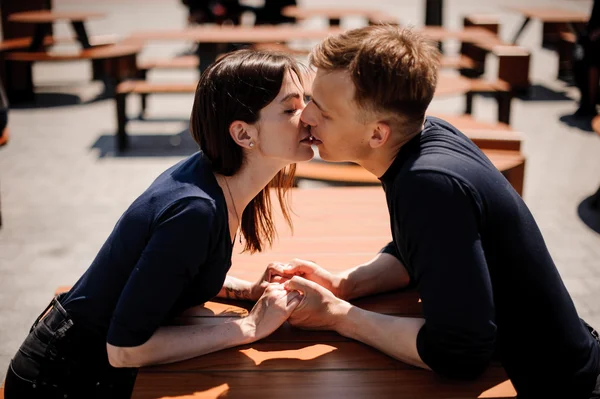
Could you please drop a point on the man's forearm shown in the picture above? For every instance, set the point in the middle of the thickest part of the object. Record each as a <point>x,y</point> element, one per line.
<point>235,288</point>
<point>381,274</point>
<point>394,336</point>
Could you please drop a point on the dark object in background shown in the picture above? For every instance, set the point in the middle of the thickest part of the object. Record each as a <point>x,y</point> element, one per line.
<point>586,65</point>
<point>214,11</point>
<point>3,117</point>
<point>270,13</point>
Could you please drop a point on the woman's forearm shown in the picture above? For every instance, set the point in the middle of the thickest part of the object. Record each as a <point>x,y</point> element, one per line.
<point>235,288</point>
<point>175,343</point>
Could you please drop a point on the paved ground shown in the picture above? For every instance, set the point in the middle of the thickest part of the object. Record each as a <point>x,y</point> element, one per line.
<point>63,188</point>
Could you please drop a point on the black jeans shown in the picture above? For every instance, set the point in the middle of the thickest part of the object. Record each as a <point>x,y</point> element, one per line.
<point>60,359</point>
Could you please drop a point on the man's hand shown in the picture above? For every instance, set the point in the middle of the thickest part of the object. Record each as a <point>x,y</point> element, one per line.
<point>270,311</point>
<point>319,309</point>
<point>313,272</point>
<point>270,275</point>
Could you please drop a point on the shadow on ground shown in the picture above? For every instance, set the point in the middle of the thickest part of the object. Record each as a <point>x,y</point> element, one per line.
<point>590,214</point>
<point>582,123</point>
<point>147,145</point>
<point>52,100</point>
<point>538,92</point>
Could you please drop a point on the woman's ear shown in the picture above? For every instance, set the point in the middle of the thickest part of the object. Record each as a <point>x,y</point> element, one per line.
<point>243,134</point>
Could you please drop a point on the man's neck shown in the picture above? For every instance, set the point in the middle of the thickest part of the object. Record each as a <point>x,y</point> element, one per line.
<point>379,160</point>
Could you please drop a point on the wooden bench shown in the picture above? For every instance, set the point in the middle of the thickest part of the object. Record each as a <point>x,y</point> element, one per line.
<point>475,54</point>
<point>143,89</point>
<point>113,63</point>
<point>510,162</point>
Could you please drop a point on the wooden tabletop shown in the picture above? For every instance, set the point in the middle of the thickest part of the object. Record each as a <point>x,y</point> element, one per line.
<point>338,228</point>
<point>235,34</point>
<point>470,34</point>
<point>548,14</point>
<point>332,12</point>
<point>452,85</point>
<point>47,16</point>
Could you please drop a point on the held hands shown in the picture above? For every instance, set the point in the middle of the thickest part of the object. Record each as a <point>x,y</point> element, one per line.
<point>309,271</point>
<point>271,310</point>
<point>272,274</point>
<point>319,309</point>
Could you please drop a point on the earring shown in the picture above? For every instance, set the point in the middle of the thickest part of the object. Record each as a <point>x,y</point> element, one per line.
<point>251,144</point>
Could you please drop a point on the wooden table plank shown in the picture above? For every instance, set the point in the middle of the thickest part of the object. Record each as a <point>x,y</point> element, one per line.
<point>48,16</point>
<point>320,384</point>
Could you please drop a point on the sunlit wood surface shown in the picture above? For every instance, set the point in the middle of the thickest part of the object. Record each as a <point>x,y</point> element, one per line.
<point>338,228</point>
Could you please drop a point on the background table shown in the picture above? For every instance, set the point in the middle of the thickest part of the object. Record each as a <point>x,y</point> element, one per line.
<point>338,228</point>
<point>43,21</point>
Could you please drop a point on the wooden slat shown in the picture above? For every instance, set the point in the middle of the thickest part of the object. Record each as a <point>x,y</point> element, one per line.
<point>547,14</point>
<point>234,34</point>
<point>320,384</point>
<point>48,16</point>
<point>288,356</point>
<point>94,53</point>
<point>458,62</point>
<point>183,62</point>
<point>24,42</point>
<point>143,87</point>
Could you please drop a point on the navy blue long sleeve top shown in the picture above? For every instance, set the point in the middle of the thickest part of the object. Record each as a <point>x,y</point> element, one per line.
<point>479,262</point>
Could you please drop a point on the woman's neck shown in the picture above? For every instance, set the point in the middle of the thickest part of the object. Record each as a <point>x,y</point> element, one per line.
<point>242,187</point>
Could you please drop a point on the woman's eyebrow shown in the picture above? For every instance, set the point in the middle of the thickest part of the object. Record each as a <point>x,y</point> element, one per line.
<point>288,96</point>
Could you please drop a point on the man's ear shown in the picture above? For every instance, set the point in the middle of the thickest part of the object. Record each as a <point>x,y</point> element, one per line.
<point>243,134</point>
<point>380,135</point>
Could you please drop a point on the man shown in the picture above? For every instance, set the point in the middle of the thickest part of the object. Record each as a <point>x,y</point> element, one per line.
<point>461,234</point>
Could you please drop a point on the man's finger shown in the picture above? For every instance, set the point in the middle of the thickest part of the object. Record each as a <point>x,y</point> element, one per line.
<point>293,299</point>
<point>298,283</point>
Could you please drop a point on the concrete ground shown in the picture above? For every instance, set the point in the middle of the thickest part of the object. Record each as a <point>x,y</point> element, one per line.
<point>63,188</point>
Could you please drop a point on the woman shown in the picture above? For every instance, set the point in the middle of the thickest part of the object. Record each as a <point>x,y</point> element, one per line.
<point>172,248</point>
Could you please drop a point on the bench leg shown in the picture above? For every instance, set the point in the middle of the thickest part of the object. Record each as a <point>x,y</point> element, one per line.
<point>469,103</point>
<point>142,74</point>
<point>122,139</point>
<point>504,102</point>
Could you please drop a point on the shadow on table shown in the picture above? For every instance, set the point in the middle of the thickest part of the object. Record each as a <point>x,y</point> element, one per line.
<point>147,145</point>
<point>589,214</point>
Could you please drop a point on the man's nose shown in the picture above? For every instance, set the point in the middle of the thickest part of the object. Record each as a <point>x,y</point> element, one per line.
<point>307,116</point>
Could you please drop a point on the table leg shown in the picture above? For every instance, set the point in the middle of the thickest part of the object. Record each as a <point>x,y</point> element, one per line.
<point>19,82</point>
<point>39,33</point>
<point>82,36</point>
<point>518,34</point>
<point>334,22</point>
<point>207,54</point>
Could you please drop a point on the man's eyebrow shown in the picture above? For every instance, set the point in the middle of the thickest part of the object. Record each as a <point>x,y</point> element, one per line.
<point>288,96</point>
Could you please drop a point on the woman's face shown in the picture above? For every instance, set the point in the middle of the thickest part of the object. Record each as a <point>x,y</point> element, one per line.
<point>280,133</point>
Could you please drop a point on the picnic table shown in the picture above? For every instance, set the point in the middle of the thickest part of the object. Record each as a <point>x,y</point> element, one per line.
<point>553,19</point>
<point>209,37</point>
<point>338,228</point>
<point>44,19</point>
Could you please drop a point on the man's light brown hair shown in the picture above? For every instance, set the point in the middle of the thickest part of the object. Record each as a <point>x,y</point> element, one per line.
<point>394,71</point>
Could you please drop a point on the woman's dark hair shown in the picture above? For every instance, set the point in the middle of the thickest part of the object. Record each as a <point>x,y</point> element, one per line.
<point>237,87</point>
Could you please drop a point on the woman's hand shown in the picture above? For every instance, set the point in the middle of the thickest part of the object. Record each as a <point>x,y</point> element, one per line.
<point>271,310</point>
<point>310,271</point>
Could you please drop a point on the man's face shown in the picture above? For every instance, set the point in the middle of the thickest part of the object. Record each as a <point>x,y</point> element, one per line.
<point>334,118</point>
